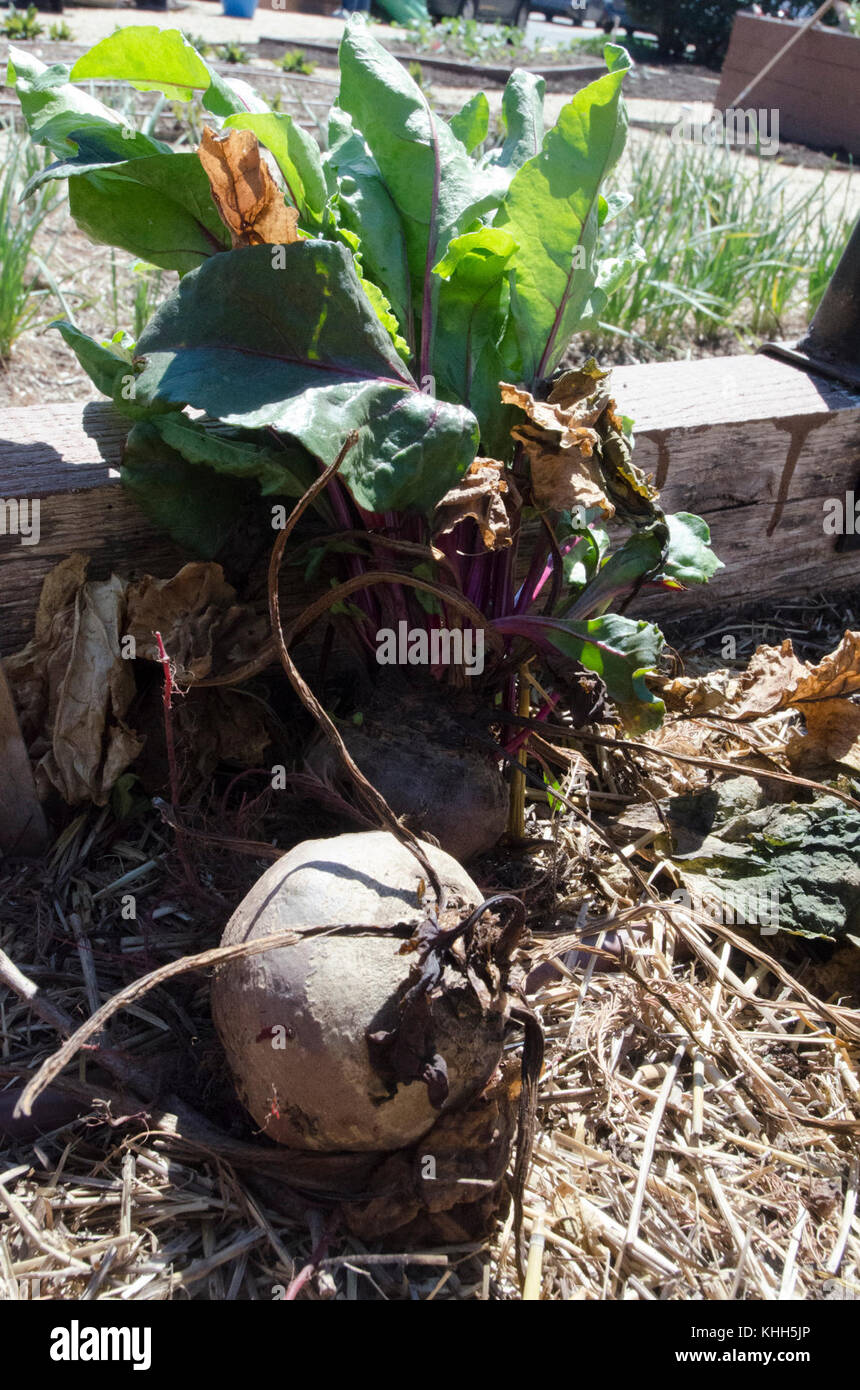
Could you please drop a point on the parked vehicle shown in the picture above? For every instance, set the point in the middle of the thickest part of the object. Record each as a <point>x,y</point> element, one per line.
<point>604,13</point>
<point>513,12</point>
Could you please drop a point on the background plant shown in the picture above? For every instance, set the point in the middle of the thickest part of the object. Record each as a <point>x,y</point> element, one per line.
<point>294,60</point>
<point>731,246</point>
<point>232,52</point>
<point>467,38</point>
<point>22,24</point>
<point>20,270</point>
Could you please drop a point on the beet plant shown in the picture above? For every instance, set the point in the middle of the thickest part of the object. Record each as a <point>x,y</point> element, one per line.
<point>415,284</point>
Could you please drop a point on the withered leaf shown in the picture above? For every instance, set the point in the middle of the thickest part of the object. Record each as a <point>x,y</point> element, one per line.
<point>74,683</point>
<point>77,687</point>
<point>836,674</point>
<point>774,679</point>
<point>201,624</point>
<point>577,449</point>
<point>832,736</point>
<point>560,450</point>
<point>488,494</point>
<point>248,200</point>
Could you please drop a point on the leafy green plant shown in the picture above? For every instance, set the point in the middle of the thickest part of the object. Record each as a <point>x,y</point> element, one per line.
<point>294,60</point>
<point>22,24</point>
<point>233,52</point>
<point>425,273</point>
<point>148,294</point>
<point>19,295</point>
<point>467,39</point>
<point>60,33</point>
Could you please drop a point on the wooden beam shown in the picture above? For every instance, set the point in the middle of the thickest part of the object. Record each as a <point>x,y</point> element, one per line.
<point>754,445</point>
<point>67,457</point>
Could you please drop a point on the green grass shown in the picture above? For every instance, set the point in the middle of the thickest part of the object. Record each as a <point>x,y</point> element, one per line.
<point>232,52</point>
<point>20,295</point>
<point>294,60</point>
<point>733,245</point>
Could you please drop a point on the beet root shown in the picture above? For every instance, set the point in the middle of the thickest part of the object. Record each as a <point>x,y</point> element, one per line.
<point>413,748</point>
<point>298,1023</point>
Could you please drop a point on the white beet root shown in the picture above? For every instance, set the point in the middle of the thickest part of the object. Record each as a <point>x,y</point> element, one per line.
<point>294,1021</point>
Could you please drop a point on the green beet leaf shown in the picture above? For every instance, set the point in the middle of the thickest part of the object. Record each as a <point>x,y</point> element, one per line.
<point>98,147</point>
<point>367,210</point>
<point>552,210</point>
<point>437,189</point>
<point>473,300</point>
<point>522,118</point>
<point>622,651</point>
<point>639,557</point>
<point>689,558</point>
<point>54,109</point>
<point>296,345</point>
<point>148,58</point>
<point>472,122</point>
<point>198,510</point>
<point>159,208</point>
<point>196,482</point>
<point>111,371</point>
<point>793,868</point>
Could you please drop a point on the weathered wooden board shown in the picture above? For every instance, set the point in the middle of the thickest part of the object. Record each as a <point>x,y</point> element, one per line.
<point>754,445</point>
<point>66,457</point>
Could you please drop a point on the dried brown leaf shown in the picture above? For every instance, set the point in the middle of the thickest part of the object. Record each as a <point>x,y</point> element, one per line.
<point>832,736</point>
<point>769,681</point>
<point>836,674</point>
<point>774,679</point>
<point>561,451</point>
<point>486,493</point>
<point>201,624</point>
<point>74,682</point>
<point>74,687</point>
<point>249,202</point>
<point>777,679</point>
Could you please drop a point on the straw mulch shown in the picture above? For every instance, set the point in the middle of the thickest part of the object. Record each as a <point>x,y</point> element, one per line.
<point>698,1114</point>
